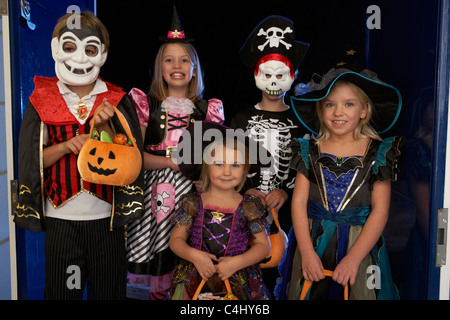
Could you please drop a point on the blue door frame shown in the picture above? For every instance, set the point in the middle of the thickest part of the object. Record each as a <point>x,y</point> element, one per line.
<point>440,141</point>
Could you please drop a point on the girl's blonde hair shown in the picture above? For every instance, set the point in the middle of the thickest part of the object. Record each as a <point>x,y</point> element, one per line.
<point>237,146</point>
<point>159,88</point>
<point>364,129</point>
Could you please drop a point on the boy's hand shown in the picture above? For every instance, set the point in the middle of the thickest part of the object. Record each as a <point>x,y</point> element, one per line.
<point>257,193</point>
<point>74,145</point>
<point>103,116</point>
<point>275,199</point>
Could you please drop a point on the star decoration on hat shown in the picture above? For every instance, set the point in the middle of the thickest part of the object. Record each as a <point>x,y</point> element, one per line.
<point>176,33</point>
<point>349,59</point>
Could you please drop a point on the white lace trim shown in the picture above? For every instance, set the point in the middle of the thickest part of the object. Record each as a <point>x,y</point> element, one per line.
<point>177,105</point>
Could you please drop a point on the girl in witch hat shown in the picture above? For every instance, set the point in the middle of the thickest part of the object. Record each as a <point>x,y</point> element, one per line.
<point>174,101</point>
<point>213,228</point>
<point>341,197</point>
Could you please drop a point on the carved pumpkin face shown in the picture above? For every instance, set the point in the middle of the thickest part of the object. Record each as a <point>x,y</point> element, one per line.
<point>108,163</point>
<point>100,160</point>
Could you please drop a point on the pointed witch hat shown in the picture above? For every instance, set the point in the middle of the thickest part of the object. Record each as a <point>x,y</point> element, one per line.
<point>176,32</point>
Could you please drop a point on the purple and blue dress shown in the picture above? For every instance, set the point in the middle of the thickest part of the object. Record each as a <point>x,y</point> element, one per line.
<point>338,207</point>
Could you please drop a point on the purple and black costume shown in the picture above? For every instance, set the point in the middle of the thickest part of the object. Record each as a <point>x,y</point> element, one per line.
<point>223,232</point>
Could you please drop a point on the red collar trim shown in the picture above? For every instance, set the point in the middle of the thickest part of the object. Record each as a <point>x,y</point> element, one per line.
<point>52,108</point>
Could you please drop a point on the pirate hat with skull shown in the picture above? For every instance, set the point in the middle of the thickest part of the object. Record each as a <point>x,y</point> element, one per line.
<point>176,32</point>
<point>272,52</point>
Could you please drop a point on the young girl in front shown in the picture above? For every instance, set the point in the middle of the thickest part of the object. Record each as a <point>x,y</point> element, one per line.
<point>342,193</point>
<point>213,229</point>
<point>174,102</point>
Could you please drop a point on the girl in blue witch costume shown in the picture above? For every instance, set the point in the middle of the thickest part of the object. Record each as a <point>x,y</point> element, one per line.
<point>341,198</point>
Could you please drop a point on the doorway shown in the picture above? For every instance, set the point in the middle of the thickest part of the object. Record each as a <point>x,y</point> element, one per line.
<point>219,30</point>
<point>330,27</point>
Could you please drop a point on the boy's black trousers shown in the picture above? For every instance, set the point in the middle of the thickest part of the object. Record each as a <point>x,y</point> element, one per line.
<point>84,253</point>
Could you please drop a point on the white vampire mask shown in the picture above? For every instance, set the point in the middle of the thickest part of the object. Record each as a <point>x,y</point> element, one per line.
<point>274,77</point>
<point>78,61</point>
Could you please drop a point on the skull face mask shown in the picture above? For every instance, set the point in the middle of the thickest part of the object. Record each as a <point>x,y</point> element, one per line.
<point>274,77</point>
<point>78,55</point>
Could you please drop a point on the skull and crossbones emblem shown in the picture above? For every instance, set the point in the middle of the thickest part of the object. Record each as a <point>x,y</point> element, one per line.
<point>160,202</point>
<point>274,36</point>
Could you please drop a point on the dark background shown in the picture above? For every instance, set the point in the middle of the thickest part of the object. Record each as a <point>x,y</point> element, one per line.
<point>219,30</point>
<point>403,53</point>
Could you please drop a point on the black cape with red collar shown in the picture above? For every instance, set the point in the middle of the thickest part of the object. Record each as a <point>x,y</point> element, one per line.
<point>30,212</point>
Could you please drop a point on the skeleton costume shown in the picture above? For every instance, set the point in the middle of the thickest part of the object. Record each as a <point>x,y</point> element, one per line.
<point>80,219</point>
<point>148,249</point>
<point>274,130</point>
<point>273,54</point>
<point>340,193</point>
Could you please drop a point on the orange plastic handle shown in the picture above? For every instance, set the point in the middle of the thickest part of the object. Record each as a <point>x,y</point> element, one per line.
<point>195,297</point>
<point>202,283</point>
<point>308,283</point>
<point>122,120</point>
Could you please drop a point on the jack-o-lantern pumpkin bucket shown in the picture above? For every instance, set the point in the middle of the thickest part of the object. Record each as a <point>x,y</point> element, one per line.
<point>102,161</point>
<point>278,244</point>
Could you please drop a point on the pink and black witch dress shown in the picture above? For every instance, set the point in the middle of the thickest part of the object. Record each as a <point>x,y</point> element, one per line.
<point>150,259</point>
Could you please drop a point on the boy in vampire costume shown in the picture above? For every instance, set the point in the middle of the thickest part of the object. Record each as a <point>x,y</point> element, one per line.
<point>273,55</point>
<point>83,222</point>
